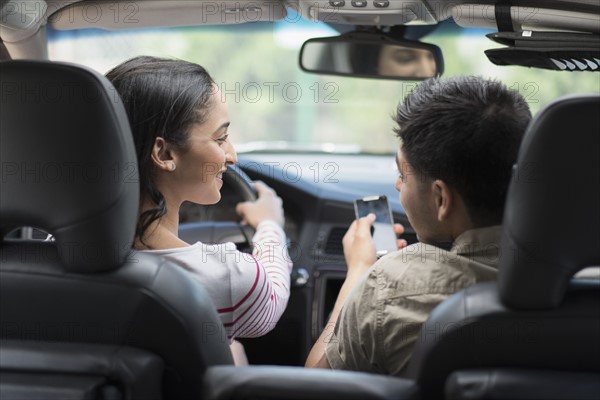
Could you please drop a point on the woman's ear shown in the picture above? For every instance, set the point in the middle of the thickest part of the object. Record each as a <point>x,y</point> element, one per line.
<point>444,199</point>
<point>162,156</point>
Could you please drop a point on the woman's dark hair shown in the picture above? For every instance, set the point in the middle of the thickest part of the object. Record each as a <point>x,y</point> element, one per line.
<point>465,131</point>
<point>162,98</point>
<point>364,58</point>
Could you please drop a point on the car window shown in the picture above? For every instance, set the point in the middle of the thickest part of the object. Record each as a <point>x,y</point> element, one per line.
<point>272,100</point>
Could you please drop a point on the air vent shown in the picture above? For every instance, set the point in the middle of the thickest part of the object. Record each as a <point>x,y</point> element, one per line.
<point>333,245</point>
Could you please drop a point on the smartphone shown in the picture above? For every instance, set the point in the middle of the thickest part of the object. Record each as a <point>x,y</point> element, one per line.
<point>383,228</point>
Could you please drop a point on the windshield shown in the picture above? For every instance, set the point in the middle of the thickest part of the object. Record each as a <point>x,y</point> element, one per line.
<point>274,105</point>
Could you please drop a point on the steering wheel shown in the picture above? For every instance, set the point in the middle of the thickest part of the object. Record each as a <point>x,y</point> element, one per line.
<point>224,231</point>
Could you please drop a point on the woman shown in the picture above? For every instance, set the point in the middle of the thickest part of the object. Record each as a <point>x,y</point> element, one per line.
<point>180,128</point>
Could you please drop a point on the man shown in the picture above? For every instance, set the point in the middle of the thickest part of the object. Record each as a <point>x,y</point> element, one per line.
<point>459,140</point>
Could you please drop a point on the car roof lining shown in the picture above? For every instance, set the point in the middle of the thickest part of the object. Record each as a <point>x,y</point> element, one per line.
<point>29,41</point>
<point>124,14</point>
<point>117,14</point>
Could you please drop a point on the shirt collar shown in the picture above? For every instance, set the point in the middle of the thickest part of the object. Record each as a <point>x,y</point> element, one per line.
<point>478,241</point>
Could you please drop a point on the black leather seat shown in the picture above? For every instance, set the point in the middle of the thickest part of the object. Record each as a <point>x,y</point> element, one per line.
<point>84,316</point>
<point>533,334</point>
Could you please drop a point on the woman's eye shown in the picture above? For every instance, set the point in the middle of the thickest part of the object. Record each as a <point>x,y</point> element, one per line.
<point>405,60</point>
<point>222,139</point>
<point>400,176</point>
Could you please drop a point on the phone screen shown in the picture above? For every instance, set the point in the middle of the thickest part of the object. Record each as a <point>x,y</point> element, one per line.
<point>383,229</point>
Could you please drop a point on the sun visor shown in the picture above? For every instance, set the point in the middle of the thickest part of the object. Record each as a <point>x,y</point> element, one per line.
<point>555,59</point>
<point>562,40</point>
<point>524,18</point>
<point>561,51</point>
<point>116,15</point>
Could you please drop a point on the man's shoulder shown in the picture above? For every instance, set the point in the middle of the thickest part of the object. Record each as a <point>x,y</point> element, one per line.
<point>416,257</point>
<point>415,269</point>
<point>425,269</point>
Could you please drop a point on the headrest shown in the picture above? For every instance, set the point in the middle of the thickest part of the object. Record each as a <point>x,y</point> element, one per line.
<point>552,215</point>
<point>68,162</point>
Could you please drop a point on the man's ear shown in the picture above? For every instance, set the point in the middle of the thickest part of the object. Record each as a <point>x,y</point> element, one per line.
<point>444,199</point>
<point>161,155</point>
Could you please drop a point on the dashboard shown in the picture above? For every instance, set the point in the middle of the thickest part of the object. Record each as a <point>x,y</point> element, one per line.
<point>318,192</point>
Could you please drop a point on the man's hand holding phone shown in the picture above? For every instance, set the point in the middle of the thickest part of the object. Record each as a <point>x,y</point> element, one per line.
<point>383,230</point>
<point>361,248</point>
<point>360,252</point>
<point>399,230</point>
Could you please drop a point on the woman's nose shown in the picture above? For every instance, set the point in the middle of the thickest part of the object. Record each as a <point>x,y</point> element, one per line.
<point>428,65</point>
<point>398,183</point>
<point>230,154</point>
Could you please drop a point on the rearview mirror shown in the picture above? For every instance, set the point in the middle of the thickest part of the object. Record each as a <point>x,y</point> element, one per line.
<point>374,55</point>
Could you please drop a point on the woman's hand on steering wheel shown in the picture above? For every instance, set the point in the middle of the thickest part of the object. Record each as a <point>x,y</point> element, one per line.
<point>268,206</point>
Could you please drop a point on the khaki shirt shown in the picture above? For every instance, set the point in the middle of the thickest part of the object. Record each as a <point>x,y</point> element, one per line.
<point>381,319</point>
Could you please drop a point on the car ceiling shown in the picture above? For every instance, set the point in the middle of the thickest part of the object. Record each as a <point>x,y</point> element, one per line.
<point>23,22</point>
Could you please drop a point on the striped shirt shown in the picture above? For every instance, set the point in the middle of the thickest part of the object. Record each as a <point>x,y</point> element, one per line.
<point>250,291</point>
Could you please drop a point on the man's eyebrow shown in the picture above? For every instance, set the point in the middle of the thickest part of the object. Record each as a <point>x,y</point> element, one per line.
<point>223,126</point>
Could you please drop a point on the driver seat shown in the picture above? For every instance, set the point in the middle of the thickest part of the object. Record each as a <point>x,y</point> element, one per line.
<point>84,316</point>
<point>534,333</point>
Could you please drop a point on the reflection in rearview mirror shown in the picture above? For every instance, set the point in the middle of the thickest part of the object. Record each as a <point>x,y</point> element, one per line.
<point>413,60</point>
<point>404,61</point>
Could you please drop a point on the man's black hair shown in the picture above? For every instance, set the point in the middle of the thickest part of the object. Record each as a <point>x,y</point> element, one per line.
<point>465,131</point>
